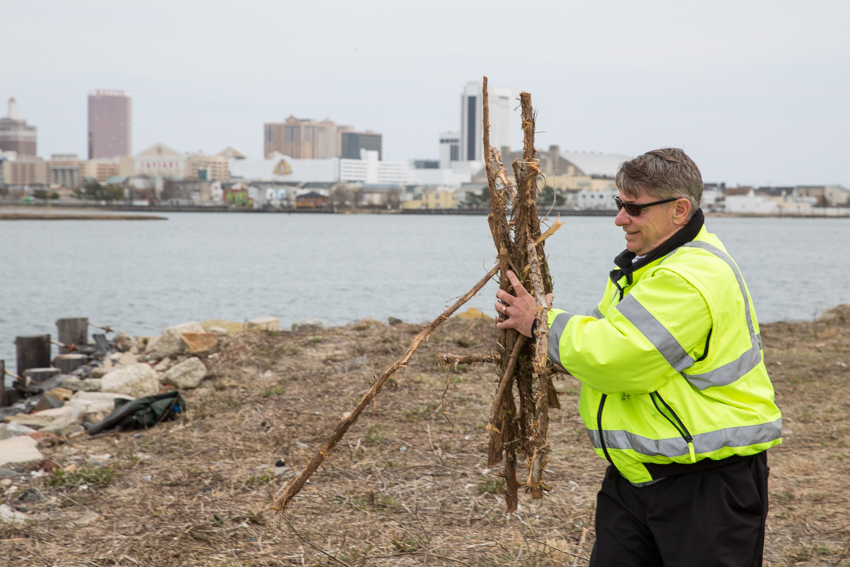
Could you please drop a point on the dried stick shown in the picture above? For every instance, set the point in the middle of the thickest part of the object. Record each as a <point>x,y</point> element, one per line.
<point>505,385</point>
<point>542,346</point>
<point>580,545</point>
<point>552,229</point>
<point>447,359</point>
<point>296,484</point>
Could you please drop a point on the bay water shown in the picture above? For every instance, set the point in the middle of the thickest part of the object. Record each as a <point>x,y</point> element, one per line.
<point>142,276</point>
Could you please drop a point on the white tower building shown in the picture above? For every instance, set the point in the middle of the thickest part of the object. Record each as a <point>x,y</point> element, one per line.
<point>471,115</point>
<point>449,149</point>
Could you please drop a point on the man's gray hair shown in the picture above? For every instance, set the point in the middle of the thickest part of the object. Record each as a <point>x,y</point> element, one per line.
<point>664,174</point>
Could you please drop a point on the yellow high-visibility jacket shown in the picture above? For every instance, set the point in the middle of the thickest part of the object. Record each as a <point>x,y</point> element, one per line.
<point>671,365</point>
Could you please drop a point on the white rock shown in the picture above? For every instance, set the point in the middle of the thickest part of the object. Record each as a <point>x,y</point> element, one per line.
<point>187,374</point>
<point>136,381</point>
<point>77,385</point>
<point>264,323</point>
<point>163,365</point>
<point>9,515</point>
<point>125,341</point>
<point>99,372</point>
<point>95,406</point>
<point>170,342</point>
<point>67,422</point>
<point>21,449</point>
<point>127,359</point>
<point>9,430</point>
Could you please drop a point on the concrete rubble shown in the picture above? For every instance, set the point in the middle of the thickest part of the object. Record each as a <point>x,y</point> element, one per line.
<point>127,367</point>
<point>9,430</point>
<point>200,343</point>
<point>21,449</point>
<point>8,515</point>
<point>170,342</point>
<point>265,324</point>
<point>137,380</point>
<point>186,375</point>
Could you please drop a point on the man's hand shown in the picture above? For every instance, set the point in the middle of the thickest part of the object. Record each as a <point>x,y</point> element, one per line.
<point>520,310</point>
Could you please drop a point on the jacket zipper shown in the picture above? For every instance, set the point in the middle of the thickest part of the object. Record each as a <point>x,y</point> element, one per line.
<point>599,428</point>
<point>680,427</point>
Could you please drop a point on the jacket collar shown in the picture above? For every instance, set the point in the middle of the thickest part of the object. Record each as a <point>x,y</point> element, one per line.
<point>625,266</point>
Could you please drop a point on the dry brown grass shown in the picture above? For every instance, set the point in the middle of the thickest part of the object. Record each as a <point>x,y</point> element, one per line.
<point>408,485</point>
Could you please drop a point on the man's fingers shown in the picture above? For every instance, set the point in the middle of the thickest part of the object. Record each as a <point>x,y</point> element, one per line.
<point>518,289</point>
<point>505,296</point>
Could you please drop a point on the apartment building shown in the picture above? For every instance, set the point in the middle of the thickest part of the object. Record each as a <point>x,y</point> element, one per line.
<point>110,116</point>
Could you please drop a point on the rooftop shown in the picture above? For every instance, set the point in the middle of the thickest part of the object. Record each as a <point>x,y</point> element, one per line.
<point>595,164</point>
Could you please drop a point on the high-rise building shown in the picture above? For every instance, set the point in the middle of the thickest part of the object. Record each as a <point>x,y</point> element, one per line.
<point>109,124</point>
<point>352,142</point>
<point>16,135</point>
<point>449,149</point>
<point>301,138</point>
<point>471,120</point>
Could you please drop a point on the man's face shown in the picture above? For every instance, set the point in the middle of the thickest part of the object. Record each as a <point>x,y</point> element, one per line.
<point>653,226</point>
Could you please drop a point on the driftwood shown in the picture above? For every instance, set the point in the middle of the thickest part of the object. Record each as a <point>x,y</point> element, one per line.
<point>519,417</point>
<point>297,483</point>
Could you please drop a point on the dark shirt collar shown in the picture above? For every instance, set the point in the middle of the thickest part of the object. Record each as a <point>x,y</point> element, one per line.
<point>625,266</point>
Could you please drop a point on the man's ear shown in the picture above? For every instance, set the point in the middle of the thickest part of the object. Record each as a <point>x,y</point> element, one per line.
<point>682,212</point>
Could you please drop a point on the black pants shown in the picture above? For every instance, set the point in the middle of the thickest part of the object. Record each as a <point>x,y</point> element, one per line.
<point>713,517</point>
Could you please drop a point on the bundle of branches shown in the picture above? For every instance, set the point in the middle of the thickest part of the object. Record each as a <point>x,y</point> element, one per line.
<point>519,418</point>
<point>524,370</point>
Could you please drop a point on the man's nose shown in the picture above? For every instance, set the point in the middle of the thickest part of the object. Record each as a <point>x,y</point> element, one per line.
<point>622,218</point>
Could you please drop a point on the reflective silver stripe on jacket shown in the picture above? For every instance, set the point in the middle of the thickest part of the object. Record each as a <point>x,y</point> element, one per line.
<point>742,436</point>
<point>597,314</point>
<point>556,330</point>
<point>655,332</point>
<point>738,368</point>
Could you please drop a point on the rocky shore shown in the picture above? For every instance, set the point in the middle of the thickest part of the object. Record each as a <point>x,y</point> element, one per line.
<point>407,486</point>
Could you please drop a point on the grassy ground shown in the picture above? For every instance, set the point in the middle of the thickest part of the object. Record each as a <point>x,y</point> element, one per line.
<point>408,484</point>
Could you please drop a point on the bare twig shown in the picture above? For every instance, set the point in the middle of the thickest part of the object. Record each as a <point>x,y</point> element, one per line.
<point>317,548</point>
<point>505,384</point>
<point>580,544</point>
<point>297,483</point>
<point>552,229</point>
<point>455,359</point>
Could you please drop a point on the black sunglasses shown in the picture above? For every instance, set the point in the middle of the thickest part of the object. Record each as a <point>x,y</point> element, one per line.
<point>633,210</point>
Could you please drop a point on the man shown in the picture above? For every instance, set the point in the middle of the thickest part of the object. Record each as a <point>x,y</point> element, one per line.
<point>675,393</point>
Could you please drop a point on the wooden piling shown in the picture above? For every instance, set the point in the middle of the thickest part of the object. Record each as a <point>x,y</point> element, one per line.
<point>39,375</point>
<point>67,363</point>
<point>72,331</point>
<point>32,352</point>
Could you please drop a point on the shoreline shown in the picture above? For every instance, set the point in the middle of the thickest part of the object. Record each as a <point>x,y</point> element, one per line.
<point>323,211</point>
<point>77,216</point>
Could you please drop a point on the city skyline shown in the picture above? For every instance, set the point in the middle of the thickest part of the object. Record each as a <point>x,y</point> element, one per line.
<point>724,82</point>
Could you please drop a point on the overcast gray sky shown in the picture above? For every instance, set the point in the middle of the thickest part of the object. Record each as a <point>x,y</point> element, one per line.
<point>756,92</point>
